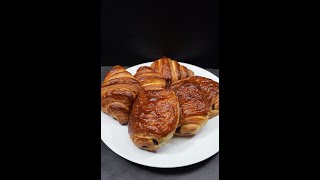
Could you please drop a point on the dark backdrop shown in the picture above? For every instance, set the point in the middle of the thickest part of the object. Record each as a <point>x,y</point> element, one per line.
<point>133,32</point>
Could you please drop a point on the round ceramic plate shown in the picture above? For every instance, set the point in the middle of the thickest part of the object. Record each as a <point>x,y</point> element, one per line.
<point>178,152</point>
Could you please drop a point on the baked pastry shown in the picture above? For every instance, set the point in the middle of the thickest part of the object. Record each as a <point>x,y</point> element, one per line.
<point>154,118</point>
<point>193,107</point>
<point>210,89</point>
<point>149,79</point>
<point>118,92</point>
<point>171,70</point>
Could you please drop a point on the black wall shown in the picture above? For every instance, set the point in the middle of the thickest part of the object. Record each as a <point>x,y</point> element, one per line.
<point>134,32</point>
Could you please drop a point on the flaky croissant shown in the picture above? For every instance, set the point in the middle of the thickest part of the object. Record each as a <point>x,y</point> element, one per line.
<point>149,79</point>
<point>210,89</point>
<point>154,118</point>
<point>171,70</point>
<point>118,92</point>
<point>193,107</point>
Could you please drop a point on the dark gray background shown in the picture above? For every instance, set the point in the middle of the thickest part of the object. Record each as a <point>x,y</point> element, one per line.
<point>114,167</point>
<point>134,32</point>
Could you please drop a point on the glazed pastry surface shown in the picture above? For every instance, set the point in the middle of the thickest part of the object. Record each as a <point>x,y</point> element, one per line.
<point>154,118</point>
<point>210,90</point>
<point>193,107</point>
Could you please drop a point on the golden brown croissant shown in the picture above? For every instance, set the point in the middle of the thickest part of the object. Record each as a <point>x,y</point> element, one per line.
<point>171,70</point>
<point>149,79</point>
<point>193,107</point>
<point>118,92</point>
<point>210,89</point>
<point>154,118</point>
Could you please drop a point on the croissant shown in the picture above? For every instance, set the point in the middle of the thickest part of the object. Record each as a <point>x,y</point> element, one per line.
<point>193,107</point>
<point>210,89</point>
<point>154,118</point>
<point>149,79</point>
<point>118,92</point>
<point>171,70</point>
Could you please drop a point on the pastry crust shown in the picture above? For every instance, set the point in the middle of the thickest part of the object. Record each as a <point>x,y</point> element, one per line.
<point>193,105</point>
<point>210,89</point>
<point>118,92</point>
<point>171,70</point>
<point>149,79</point>
<point>154,118</point>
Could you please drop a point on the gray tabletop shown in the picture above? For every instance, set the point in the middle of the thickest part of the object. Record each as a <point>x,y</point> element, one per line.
<point>114,167</point>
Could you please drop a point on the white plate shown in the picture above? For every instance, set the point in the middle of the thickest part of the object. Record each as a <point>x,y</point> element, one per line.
<point>179,151</point>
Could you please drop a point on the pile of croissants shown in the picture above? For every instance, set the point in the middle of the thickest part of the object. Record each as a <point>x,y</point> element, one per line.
<point>159,102</point>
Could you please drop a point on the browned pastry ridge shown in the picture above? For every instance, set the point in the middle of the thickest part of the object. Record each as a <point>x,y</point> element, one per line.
<point>171,70</point>
<point>154,118</point>
<point>118,92</point>
<point>149,79</point>
<point>193,107</point>
<point>210,89</point>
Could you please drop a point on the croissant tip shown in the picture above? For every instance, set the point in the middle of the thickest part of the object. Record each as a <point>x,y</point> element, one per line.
<point>117,66</point>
